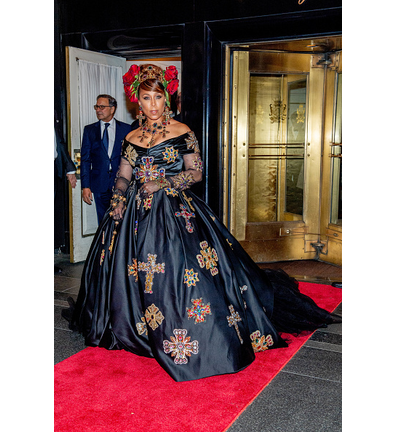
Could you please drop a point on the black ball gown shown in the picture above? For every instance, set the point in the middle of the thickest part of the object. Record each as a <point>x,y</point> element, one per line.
<point>169,281</point>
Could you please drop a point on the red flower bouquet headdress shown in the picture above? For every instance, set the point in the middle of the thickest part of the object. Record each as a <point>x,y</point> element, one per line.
<point>137,74</point>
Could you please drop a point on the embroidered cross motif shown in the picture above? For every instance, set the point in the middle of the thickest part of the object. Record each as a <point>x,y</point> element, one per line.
<point>192,142</point>
<point>188,201</point>
<point>198,310</point>
<point>233,320</point>
<point>180,346</point>
<point>150,267</point>
<point>154,316</point>
<point>148,171</point>
<point>133,269</point>
<point>141,327</point>
<point>184,213</point>
<point>261,343</point>
<point>208,258</point>
<point>170,154</point>
<point>131,155</point>
<point>190,278</point>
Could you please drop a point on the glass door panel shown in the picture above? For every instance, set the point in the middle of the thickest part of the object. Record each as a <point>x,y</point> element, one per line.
<point>265,135</point>
<point>277,119</point>
<point>295,151</point>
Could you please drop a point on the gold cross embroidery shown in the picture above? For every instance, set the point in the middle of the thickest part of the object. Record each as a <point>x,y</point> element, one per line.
<point>233,321</point>
<point>188,201</point>
<point>150,267</point>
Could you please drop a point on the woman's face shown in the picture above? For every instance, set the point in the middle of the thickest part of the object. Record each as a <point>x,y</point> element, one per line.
<point>152,103</point>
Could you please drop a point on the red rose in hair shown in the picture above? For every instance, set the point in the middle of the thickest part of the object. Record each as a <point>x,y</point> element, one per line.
<point>133,98</point>
<point>135,69</point>
<point>128,91</point>
<point>171,73</point>
<point>172,86</point>
<point>130,76</point>
<point>128,79</point>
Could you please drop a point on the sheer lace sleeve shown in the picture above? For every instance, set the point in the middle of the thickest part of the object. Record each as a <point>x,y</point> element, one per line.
<point>192,163</point>
<point>123,178</point>
<point>191,175</point>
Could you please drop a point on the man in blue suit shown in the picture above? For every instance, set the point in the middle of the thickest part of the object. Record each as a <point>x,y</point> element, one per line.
<point>101,153</point>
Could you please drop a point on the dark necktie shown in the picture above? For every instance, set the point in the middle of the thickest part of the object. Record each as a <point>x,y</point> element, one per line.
<point>105,138</point>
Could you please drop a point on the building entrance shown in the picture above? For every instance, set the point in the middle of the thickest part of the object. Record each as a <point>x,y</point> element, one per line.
<point>282,149</point>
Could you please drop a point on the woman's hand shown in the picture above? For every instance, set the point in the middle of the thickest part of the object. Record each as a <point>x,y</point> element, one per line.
<point>117,212</point>
<point>149,188</point>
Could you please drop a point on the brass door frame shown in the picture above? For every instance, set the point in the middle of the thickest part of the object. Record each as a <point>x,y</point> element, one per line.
<point>314,236</point>
<point>330,233</point>
<point>240,161</point>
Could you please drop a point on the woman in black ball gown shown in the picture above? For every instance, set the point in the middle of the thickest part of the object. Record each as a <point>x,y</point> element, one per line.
<point>164,278</point>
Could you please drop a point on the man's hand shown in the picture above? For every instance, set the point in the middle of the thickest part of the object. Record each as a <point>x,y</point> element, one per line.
<point>87,196</point>
<point>72,180</point>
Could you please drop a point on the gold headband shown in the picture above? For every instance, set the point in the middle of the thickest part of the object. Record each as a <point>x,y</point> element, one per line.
<point>151,72</point>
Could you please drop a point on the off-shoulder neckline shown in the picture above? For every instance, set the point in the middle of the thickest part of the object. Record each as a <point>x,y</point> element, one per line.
<point>156,145</point>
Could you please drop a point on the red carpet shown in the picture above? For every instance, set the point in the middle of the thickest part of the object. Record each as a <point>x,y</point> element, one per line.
<point>100,390</point>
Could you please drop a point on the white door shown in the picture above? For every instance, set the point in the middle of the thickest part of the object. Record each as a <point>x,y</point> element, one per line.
<point>88,74</point>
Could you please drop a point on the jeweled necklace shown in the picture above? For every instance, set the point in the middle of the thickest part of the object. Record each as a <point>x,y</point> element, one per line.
<point>152,130</point>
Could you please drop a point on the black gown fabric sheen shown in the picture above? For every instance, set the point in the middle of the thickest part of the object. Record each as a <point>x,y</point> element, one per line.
<point>169,281</point>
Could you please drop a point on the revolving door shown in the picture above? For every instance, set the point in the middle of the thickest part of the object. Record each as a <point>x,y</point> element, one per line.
<point>282,149</point>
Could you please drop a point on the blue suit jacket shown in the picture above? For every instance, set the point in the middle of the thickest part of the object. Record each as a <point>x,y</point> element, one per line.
<point>94,167</point>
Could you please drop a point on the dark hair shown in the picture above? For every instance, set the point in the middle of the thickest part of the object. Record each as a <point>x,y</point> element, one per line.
<point>112,101</point>
<point>152,85</point>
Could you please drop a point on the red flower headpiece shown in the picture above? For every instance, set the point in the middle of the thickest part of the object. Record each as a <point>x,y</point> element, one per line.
<point>137,74</point>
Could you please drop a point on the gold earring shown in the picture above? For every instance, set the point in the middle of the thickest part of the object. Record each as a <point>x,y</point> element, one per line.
<point>140,116</point>
<point>167,114</point>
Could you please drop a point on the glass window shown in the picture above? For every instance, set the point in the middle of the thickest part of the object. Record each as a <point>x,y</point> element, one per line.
<point>277,121</point>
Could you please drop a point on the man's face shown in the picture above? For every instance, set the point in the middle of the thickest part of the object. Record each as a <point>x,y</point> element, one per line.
<point>106,113</point>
